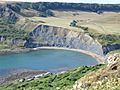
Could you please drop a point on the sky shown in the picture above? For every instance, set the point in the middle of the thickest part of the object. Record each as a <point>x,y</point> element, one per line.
<point>74,1</point>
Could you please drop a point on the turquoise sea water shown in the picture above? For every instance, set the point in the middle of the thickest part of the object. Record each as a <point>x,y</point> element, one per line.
<point>49,60</point>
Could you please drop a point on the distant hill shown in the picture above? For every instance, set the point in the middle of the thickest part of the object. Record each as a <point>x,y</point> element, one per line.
<point>41,6</point>
<point>17,19</point>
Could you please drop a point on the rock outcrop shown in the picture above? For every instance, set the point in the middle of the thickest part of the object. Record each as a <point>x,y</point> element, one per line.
<point>8,15</point>
<point>113,58</point>
<point>108,48</point>
<point>45,35</point>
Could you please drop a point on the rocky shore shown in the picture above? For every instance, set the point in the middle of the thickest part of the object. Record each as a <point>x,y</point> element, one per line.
<point>12,51</point>
<point>20,74</point>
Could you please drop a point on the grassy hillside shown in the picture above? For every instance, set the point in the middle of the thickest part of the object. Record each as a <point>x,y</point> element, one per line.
<point>53,82</point>
<point>103,27</point>
<point>113,52</point>
<point>106,78</point>
<point>18,19</point>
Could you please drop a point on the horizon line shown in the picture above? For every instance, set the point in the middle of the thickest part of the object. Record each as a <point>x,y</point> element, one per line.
<point>5,1</point>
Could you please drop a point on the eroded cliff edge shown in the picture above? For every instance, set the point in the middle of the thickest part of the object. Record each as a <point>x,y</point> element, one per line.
<point>44,35</point>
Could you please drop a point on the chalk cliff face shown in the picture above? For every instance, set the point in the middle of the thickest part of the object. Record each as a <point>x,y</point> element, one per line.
<point>44,35</point>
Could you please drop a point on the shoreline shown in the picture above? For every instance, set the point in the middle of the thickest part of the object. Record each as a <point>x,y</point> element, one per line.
<point>30,73</point>
<point>19,74</point>
<point>14,51</point>
<point>100,59</point>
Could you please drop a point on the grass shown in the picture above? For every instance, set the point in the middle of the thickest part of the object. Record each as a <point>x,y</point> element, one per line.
<point>54,21</point>
<point>103,24</point>
<point>106,23</point>
<point>4,46</point>
<point>103,39</point>
<point>52,82</point>
<point>106,78</point>
<point>113,52</point>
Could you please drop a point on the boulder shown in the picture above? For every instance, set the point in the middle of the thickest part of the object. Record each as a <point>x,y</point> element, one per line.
<point>113,58</point>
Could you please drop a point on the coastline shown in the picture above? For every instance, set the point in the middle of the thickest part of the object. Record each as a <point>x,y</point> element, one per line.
<point>14,51</point>
<point>30,73</point>
<point>100,59</point>
<point>20,74</point>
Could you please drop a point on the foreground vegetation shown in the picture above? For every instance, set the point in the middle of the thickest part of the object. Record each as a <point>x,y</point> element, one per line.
<point>104,79</point>
<point>53,82</point>
<point>113,52</point>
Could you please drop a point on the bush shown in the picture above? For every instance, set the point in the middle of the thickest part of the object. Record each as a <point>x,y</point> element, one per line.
<point>46,13</point>
<point>73,23</point>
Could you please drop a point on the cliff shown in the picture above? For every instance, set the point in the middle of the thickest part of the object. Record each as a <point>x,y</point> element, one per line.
<point>18,19</point>
<point>108,48</point>
<point>45,35</point>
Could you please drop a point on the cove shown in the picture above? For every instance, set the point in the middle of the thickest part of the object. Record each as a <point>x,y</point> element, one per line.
<point>46,60</point>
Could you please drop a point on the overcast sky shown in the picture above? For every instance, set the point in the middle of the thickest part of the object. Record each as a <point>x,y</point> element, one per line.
<point>75,1</point>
